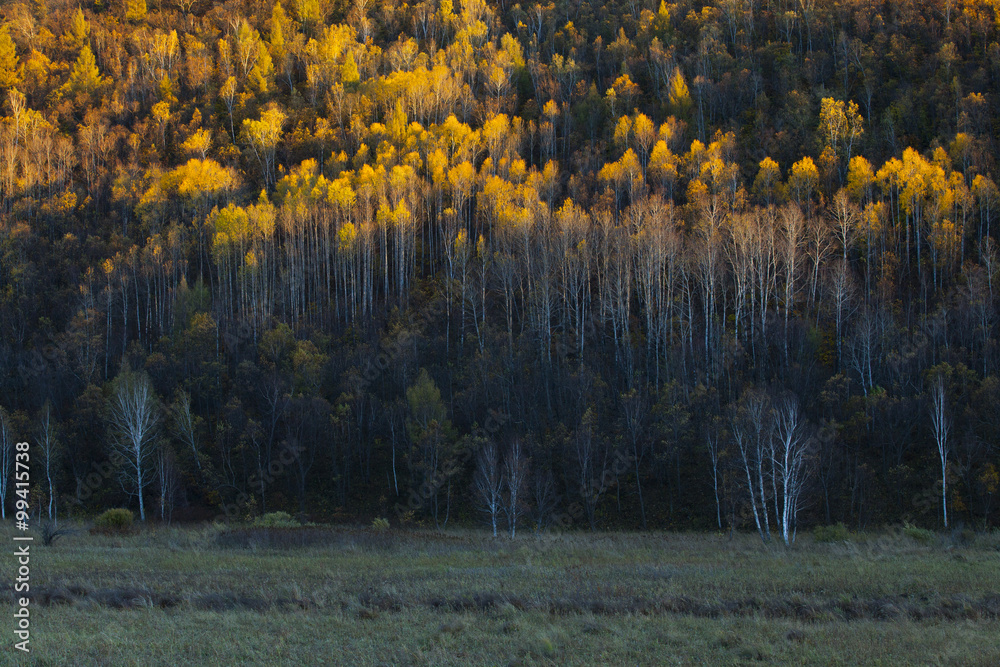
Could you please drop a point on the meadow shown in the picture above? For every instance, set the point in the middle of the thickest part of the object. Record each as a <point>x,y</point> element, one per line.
<point>226,595</point>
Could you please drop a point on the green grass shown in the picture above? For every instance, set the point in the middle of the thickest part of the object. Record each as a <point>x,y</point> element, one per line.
<point>170,596</point>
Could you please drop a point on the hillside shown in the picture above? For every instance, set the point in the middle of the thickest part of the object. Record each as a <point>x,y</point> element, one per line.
<point>609,265</point>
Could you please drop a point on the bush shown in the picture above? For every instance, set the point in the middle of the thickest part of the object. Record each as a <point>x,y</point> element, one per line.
<point>835,533</point>
<point>276,520</point>
<point>118,520</point>
<point>921,535</point>
<point>380,525</point>
<point>50,533</point>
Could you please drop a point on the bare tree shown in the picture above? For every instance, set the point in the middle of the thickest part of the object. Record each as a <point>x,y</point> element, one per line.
<point>791,456</point>
<point>515,471</point>
<point>489,481</point>
<point>6,460</point>
<point>843,293</point>
<point>634,412</point>
<point>169,481</point>
<point>845,217</point>
<point>715,454</point>
<point>134,418</point>
<point>543,490</point>
<point>941,424</point>
<point>790,244</point>
<point>184,424</point>
<point>751,429</point>
<point>48,447</point>
<point>862,348</point>
<point>591,465</point>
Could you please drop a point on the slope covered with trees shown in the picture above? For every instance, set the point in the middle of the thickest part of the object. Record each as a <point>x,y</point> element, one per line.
<point>608,264</point>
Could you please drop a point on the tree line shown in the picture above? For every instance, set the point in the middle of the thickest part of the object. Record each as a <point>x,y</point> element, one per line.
<point>697,266</point>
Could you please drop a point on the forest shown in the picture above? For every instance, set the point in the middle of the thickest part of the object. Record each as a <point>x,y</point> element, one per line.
<point>605,265</point>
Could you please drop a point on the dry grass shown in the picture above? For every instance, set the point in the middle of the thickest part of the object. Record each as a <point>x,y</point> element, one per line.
<point>210,595</point>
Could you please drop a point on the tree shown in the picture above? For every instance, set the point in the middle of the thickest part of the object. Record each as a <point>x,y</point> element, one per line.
<point>262,137</point>
<point>489,481</point>
<point>6,460</point>
<point>790,464</point>
<point>767,184</point>
<point>85,78</point>
<point>841,126</point>
<point>634,413</point>
<point>591,457</point>
<point>941,424</point>
<point>431,435</point>
<point>135,10</point>
<point>751,428</point>
<point>78,32</point>
<point>169,482</point>
<point>791,239</point>
<point>716,452</point>
<point>48,447</point>
<point>8,60</point>
<point>679,97</point>
<point>228,94</point>
<point>515,471</point>
<point>185,424</point>
<point>134,417</point>
<point>803,180</point>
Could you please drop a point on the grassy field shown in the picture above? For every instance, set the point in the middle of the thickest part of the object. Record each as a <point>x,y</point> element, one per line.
<point>339,596</point>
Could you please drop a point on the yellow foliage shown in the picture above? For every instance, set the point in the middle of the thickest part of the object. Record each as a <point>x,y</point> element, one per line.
<point>768,181</point>
<point>199,142</point>
<point>860,177</point>
<point>346,236</point>
<point>623,130</point>
<point>803,179</point>
<point>679,97</point>
<point>85,77</point>
<point>135,10</point>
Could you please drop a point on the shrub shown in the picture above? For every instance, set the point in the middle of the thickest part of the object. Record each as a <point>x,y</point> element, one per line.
<point>921,535</point>
<point>276,520</point>
<point>118,520</point>
<point>50,533</point>
<point>380,525</point>
<point>835,533</point>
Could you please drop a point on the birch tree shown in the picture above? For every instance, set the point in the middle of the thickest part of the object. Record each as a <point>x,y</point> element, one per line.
<point>489,482</point>
<point>6,460</point>
<point>48,448</point>
<point>185,424</point>
<point>790,459</point>
<point>515,471</point>
<point>942,425</point>
<point>751,429</point>
<point>134,417</point>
